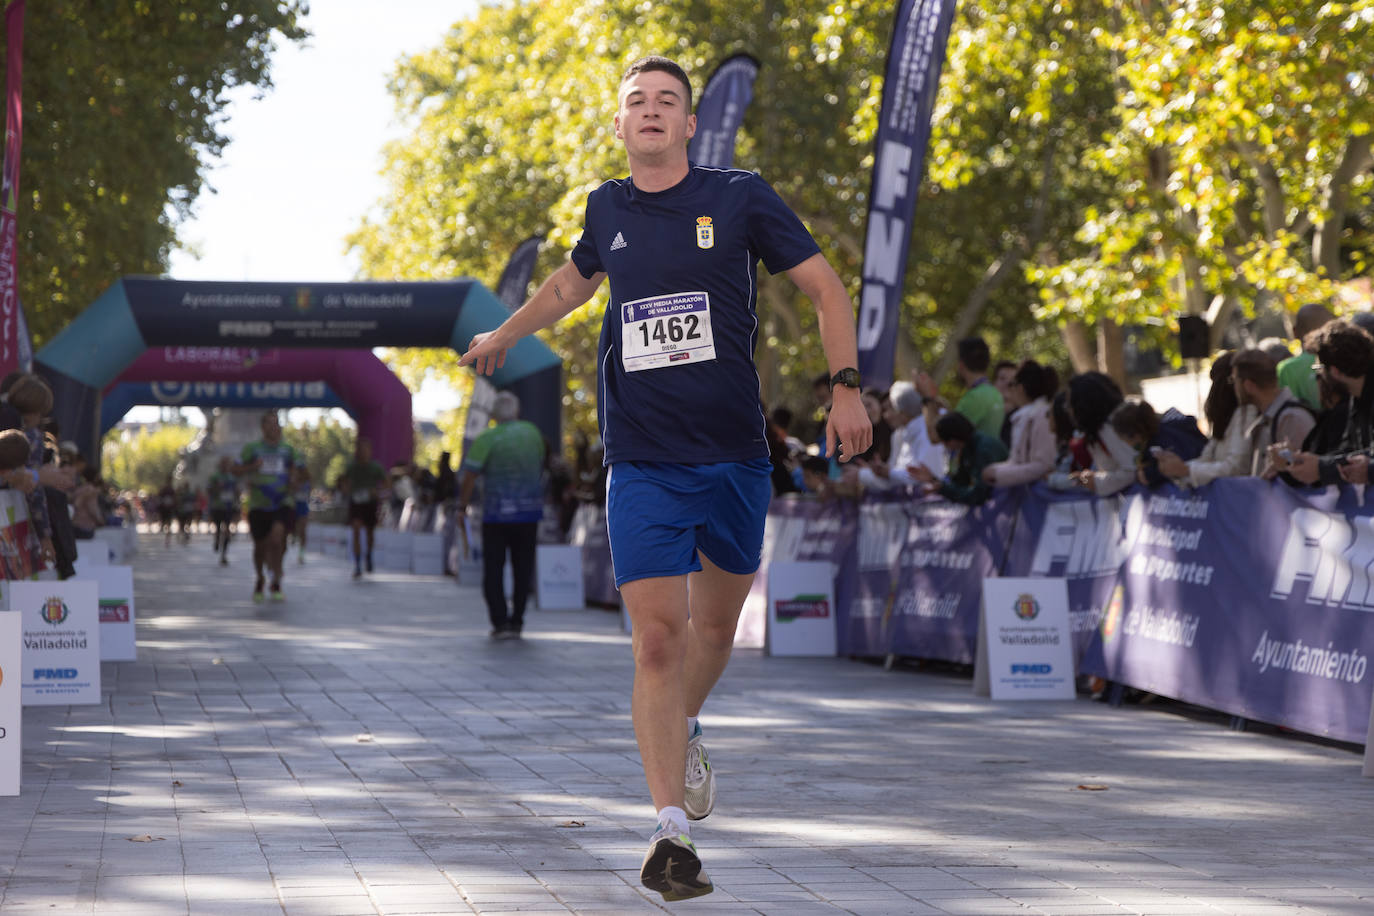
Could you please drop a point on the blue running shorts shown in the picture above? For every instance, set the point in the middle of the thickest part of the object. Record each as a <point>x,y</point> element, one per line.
<point>660,514</point>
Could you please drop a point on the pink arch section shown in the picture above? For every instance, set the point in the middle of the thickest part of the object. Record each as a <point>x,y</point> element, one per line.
<point>376,398</point>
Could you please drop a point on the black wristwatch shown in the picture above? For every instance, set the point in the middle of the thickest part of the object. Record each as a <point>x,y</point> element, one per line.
<point>849,378</point>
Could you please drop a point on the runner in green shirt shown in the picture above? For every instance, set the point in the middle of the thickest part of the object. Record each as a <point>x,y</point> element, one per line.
<point>362,483</point>
<point>267,465</point>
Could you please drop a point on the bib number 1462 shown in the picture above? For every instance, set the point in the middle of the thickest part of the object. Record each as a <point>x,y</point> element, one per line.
<point>666,331</point>
<point>672,330</point>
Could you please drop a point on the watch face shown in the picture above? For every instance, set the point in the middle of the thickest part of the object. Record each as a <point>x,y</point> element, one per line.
<point>849,378</point>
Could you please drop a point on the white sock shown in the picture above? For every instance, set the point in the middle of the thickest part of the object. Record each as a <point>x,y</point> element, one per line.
<point>691,725</point>
<point>677,816</point>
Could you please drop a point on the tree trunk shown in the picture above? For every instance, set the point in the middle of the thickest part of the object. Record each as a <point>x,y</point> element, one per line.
<point>996,274</point>
<point>1111,351</point>
<point>1326,243</point>
<point>1081,347</point>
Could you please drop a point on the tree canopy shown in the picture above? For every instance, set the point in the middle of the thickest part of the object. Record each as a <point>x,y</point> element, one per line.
<point>124,107</point>
<point>1092,163</point>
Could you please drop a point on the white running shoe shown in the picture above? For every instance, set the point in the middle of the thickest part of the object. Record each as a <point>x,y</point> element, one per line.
<point>699,797</point>
<point>671,866</point>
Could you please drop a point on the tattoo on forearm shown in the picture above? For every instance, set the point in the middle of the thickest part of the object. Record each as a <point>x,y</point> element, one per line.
<point>558,292</point>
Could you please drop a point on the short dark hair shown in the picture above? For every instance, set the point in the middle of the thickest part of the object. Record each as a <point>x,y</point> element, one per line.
<point>1037,381</point>
<point>1256,366</point>
<point>14,450</point>
<point>1311,317</point>
<point>1342,346</point>
<point>1092,397</point>
<point>954,427</point>
<point>662,65</point>
<point>1135,418</point>
<point>30,394</point>
<point>974,354</point>
<point>1003,364</point>
<point>816,465</point>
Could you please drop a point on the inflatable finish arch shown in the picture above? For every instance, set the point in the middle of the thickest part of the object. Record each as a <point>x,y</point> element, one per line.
<point>122,397</point>
<point>211,376</point>
<point>138,313</point>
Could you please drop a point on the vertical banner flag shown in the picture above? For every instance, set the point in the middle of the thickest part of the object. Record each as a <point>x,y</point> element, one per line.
<point>510,289</point>
<point>10,317</point>
<point>919,35</point>
<point>515,279</point>
<point>721,110</point>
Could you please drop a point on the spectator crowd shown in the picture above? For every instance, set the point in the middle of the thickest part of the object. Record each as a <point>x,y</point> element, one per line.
<point>1306,419</point>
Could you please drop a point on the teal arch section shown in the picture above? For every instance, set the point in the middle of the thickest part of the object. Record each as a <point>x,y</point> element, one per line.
<point>482,312</point>
<point>137,313</point>
<point>100,343</point>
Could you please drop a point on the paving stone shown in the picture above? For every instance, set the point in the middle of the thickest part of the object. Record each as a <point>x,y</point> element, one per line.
<point>365,748</point>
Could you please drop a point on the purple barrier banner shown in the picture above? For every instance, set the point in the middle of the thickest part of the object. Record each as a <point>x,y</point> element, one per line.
<point>1248,598</point>
<point>1077,537</point>
<point>921,566</point>
<point>805,529</point>
<point>598,574</point>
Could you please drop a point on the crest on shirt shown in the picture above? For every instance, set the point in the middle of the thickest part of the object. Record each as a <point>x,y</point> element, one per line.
<point>706,233</point>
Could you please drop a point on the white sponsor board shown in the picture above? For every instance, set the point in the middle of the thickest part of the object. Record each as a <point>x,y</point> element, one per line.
<point>558,576</point>
<point>115,587</point>
<point>801,609</point>
<point>93,552</point>
<point>391,550</point>
<point>123,541</point>
<point>61,641</point>
<point>427,555</point>
<point>1025,647</point>
<point>11,713</point>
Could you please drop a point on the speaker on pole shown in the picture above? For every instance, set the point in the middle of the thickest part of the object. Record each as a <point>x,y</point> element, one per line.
<point>1193,337</point>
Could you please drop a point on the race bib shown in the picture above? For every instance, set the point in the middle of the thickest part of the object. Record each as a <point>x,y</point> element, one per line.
<point>273,463</point>
<point>229,494</point>
<point>362,495</point>
<point>667,330</point>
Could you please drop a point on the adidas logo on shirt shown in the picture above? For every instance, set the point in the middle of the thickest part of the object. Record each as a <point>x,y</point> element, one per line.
<point>619,242</point>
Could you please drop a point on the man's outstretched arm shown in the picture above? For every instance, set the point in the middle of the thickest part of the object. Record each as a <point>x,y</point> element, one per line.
<point>848,421</point>
<point>563,291</point>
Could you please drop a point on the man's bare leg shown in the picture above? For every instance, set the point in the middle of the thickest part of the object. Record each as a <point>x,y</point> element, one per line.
<point>716,598</point>
<point>658,615</point>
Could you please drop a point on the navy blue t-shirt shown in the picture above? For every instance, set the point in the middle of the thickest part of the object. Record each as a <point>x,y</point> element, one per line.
<point>677,380</point>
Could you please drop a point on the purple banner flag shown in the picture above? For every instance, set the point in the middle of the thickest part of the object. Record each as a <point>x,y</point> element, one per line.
<point>721,111</point>
<point>13,331</point>
<point>511,289</point>
<point>919,35</point>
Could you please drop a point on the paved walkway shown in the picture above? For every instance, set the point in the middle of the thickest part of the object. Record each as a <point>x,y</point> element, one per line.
<point>364,748</point>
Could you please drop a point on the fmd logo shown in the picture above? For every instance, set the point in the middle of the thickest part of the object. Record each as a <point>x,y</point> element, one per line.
<point>1031,669</point>
<point>54,674</point>
<point>1327,560</point>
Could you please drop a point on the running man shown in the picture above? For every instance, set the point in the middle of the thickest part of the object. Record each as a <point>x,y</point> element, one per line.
<point>186,512</point>
<point>223,487</point>
<point>685,437</point>
<point>363,483</point>
<point>167,510</point>
<point>301,492</point>
<point>267,464</point>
